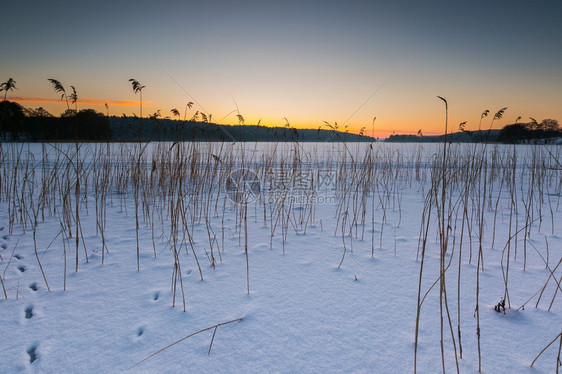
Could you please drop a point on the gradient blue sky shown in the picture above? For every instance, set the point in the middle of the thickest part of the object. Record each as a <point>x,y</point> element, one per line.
<point>309,61</point>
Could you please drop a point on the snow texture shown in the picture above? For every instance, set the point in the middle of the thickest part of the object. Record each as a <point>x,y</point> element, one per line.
<point>303,313</point>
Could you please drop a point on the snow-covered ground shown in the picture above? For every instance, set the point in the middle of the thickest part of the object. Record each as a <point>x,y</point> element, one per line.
<point>306,310</point>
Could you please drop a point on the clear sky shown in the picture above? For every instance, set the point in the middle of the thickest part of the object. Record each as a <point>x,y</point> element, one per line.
<point>307,61</point>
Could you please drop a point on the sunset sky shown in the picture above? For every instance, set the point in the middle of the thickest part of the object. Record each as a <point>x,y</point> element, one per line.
<point>307,61</point>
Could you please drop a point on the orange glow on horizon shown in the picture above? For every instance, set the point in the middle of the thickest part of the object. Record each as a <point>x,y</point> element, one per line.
<point>430,124</point>
<point>87,101</point>
<point>368,130</point>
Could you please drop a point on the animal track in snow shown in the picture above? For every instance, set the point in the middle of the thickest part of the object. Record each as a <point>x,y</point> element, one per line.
<point>29,312</point>
<point>32,352</point>
<point>21,268</point>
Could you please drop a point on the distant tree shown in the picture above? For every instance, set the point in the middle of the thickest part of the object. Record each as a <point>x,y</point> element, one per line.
<point>12,116</point>
<point>39,112</point>
<point>93,125</point>
<point>9,85</point>
<point>39,124</point>
<point>515,133</point>
<point>68,113</point>
<point>546,130</point>
<point>59,88</point>
<point>531,131</point>
<point>548,125</point>
<point>90,113</point>
<point>137,88</point>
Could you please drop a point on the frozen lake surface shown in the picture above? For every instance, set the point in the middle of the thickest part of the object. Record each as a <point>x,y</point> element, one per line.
<point>112,252</point>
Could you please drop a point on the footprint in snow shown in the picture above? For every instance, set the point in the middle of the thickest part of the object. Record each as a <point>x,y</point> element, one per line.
<point>4,246</point>
<point>19,257</point>
<point>32,352</point>
<point>29,312</point>
<point>33,286</point>
<point>21,268</point>
<point>140,331</point>
<point>156,296</point>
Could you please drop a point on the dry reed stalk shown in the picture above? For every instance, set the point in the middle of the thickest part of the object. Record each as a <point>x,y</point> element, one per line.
<point>558,362</point>
<point>246,246</point>
<point>187,337</point>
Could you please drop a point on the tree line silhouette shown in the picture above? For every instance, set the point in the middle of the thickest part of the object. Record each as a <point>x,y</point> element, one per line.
<point>20,123</point>
<point>530,132</point>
